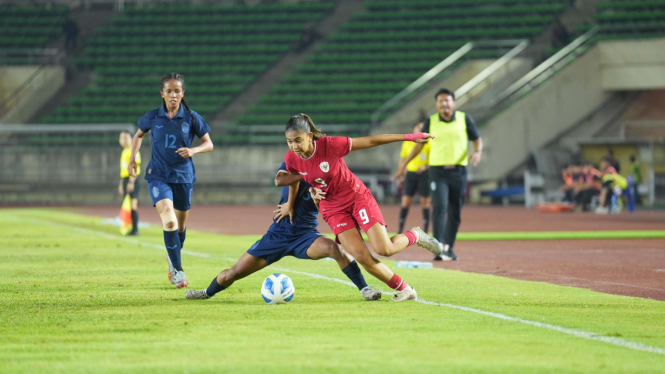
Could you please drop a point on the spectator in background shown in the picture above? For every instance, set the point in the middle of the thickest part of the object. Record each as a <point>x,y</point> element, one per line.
<point>560,36</point>
<point>612,184</point>
<point>612,160</point>
<point>568,186</point>
<point>636,173</point>
<point>587,185</point>
<point>308,37</point>
<point>71,30</point>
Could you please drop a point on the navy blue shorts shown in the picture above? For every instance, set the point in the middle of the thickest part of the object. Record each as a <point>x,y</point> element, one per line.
<point>273,246</point>
<point>179,193</point>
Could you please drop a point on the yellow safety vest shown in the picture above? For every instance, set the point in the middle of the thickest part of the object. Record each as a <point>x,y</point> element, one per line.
<point>422,159</point>
<point>124,162</point>
<point>451,145</point>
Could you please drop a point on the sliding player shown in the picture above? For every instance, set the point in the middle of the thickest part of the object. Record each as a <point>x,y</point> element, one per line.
<point>297,237</point>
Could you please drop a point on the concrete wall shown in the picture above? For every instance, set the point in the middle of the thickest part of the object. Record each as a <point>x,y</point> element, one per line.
<point>633,65</point>
<point>46,84</point>
<point>406,116</point>
<point>12,77</point>
<point>550,110</point>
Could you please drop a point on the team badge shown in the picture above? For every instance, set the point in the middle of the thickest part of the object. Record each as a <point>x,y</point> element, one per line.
<point>324,166</point>
<point>185,127</point>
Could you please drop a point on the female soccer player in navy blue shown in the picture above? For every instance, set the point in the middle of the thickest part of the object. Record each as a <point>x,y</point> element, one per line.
<point>170,173</point>
<point>297,237</point>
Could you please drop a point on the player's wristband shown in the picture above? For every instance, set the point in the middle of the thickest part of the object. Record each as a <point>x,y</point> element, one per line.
<point>414,137</point>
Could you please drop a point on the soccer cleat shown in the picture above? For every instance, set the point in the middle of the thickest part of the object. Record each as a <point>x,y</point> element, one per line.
<point>196,294</point>
<point>370,293</point>
<point>171,269</point>
<point>179,279</point>
<point>426,241</point>
<point>406,294</point>
<point>447,254</point>
<point>602,210</point>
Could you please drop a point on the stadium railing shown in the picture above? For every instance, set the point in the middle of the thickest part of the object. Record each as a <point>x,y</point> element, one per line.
<point>45,58</point>
<point>535,77</point>
<point>422,83</point>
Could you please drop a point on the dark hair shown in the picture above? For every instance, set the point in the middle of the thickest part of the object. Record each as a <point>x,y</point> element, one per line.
<point>446,91</point>
<point>178,77</point>
<point>302,122</point>
<point>633,158</point>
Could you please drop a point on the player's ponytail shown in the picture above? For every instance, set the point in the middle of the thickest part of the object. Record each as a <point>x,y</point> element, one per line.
<point>302,122</point>
<point>181,78</point>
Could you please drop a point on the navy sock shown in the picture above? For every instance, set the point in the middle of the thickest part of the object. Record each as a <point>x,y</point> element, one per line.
<point>172,242</point>
<point>426,216</point>
<point>214,288</point>
<point>353,272</point>
<point>182,236</point>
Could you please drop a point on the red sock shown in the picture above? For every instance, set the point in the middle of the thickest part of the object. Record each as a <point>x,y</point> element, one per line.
<point>397,283</point>
<point>413,237</point>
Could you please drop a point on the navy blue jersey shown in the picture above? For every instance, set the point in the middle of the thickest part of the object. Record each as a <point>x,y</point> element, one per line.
<point>304,208</point>
<point>168,135</point>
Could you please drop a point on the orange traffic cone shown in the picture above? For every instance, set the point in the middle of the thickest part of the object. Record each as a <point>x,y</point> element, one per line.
<point>126,215</point>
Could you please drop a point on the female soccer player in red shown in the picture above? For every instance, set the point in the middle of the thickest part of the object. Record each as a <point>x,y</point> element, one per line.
<point>349,205</point>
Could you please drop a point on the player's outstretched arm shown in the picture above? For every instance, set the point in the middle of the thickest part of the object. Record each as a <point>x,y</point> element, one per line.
<point>136,144</point>
<point>377,140</point>
<point>283,178</point>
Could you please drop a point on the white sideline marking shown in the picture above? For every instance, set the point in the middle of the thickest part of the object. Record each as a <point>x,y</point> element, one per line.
<point>565,330</point>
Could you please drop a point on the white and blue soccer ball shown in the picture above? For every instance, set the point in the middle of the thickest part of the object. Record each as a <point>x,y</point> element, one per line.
<point>277,289</point>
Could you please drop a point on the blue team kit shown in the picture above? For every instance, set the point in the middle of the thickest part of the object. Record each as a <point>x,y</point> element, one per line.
<point>169,175</point>
<point>290,239</point>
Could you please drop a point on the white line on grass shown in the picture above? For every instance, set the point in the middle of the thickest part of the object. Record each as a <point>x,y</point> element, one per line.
<point>565,330</point>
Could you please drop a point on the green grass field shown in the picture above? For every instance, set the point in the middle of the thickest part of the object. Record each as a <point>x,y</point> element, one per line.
<point>75,297</point>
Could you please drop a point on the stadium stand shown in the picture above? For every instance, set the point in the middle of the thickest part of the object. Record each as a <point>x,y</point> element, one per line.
<point>219,49</point>
<point>631,19</point>
<point>382,50</point>
<point>24,27</point>
<point>627,20</point>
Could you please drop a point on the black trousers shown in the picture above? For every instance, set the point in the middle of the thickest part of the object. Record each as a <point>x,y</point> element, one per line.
<point>448,187</point>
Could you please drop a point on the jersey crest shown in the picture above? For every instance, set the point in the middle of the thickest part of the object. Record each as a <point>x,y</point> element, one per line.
<point>324,166</point>
<point>185,127</point>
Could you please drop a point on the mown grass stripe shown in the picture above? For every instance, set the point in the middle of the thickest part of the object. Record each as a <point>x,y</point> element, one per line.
<point>573,332</point>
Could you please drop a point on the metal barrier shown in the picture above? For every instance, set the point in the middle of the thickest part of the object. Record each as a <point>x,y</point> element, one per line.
<point>535,77</point>
<point>517,46</point>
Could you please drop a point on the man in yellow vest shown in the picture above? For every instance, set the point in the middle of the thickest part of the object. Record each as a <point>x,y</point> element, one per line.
<point>448,160</point>
<point>128,184</point>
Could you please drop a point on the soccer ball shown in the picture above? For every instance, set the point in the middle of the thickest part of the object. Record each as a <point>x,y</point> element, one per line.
<point>277,289</point>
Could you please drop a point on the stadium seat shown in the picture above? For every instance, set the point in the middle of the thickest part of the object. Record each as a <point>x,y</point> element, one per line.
<point>219,49</point>
<point>27,27</point>
<point>383,49</point>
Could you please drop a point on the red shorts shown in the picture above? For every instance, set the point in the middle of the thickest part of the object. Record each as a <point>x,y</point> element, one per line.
<point>363,213</point>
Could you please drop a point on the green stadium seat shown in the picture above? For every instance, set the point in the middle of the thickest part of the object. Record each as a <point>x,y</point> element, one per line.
<point>385,48</point>
<point>219,49</point>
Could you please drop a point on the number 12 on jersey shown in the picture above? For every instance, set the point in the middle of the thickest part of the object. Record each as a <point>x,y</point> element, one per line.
<point>172,138</point>
<point>363,215</point>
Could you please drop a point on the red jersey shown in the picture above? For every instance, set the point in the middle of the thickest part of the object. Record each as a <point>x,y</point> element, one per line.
<point>325,169</point>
